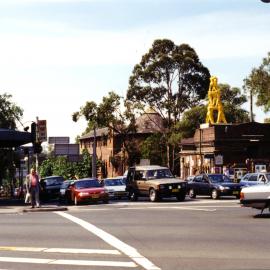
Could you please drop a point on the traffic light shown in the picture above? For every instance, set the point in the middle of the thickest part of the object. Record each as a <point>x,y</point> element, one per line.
<point>37,147</point>
<point>33,132</point>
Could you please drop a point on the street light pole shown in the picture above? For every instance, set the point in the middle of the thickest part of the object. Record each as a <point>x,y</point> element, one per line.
<point>94,156</point>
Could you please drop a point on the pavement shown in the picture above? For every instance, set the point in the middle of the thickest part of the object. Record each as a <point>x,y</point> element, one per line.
<point>15,206</point>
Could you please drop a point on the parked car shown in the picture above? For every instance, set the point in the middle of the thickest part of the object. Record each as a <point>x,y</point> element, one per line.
<point>155,182</point>
<point>88,190</point>
<point>65,191</point>
<point>50,187</point>
<point>115,187</point>
<point>214,185</point>
<point>256,196</point>
<point>251,179</point>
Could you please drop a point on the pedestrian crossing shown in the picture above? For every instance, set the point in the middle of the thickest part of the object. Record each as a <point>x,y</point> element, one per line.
<point>57,261</point>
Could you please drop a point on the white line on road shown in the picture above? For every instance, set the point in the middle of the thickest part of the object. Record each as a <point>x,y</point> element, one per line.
<point>61,250</point>
<point>113,241</point>
<point>68,262</point>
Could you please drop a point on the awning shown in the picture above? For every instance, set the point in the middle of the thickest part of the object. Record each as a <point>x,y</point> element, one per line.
<point>13,138</point>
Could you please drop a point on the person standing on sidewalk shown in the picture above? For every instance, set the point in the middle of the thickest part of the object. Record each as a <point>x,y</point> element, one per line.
<point>33,187</point>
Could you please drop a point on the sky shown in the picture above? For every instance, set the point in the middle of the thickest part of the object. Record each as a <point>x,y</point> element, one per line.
<point>57,54</point>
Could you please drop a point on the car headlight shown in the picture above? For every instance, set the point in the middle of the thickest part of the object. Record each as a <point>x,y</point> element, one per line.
<point>223,188</point>
<point>81,194</point>
<point>161,187</point>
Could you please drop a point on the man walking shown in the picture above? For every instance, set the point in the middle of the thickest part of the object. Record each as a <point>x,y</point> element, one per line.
<point>33,187</point>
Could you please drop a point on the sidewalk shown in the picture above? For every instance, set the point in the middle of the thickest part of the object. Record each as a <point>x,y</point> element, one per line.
<point>13,206</point>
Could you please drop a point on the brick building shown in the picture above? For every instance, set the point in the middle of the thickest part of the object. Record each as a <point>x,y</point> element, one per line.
<point>109,145</point>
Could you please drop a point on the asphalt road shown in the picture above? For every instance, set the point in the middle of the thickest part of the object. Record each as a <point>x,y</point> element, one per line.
<point>195,234</point>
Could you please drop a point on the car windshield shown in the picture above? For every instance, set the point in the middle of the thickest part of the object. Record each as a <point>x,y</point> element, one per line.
<point>113,182</point>
<point>158,174</point>
<point>219,178</point>
<point>87,184</point>
<point>54,181</point>
<point>65,184</point>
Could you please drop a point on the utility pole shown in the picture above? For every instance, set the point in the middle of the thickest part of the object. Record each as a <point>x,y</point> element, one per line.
<point>94,156</point>
<point>251,106</point>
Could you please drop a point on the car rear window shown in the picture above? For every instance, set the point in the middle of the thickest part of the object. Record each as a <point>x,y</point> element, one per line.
<point>217,178</point>
<point>87,184</point>
<point>54,181</point>
<point>114,182</point>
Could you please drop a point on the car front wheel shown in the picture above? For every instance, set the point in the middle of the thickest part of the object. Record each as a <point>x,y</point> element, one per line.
<point>132,195</point>
<point>153,196</point>
<point>214,194</point>
<point>192,194</point>
<point>76,200</point>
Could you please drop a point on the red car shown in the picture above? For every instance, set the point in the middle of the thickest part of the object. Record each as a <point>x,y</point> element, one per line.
<point>88,190</point>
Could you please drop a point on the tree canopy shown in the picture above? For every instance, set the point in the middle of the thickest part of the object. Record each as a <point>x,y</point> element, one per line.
<point>258,84</point>
<point>169,79</point>
<point>10,113</point>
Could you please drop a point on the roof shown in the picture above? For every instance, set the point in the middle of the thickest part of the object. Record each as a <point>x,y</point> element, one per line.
<point>150,167</point>
<point>99,133</point>
<point>14,138</point>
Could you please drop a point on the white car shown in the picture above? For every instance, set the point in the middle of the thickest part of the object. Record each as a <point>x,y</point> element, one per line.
<point>257,196</point>
<point>115,187</point>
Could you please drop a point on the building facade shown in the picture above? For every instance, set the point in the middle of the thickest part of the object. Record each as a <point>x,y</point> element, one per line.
<point>214,148</point>
<point>110,149</point>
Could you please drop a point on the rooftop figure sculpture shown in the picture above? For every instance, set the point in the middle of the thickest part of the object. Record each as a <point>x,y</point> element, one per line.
<point>214,103</point>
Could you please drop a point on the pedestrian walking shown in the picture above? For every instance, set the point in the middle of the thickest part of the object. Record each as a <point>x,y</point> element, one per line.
<point>33,187</point>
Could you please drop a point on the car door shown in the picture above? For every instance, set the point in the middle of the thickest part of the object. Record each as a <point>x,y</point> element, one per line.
<point>195,184</point>
<point>141,184</point>
<point>205,186</point>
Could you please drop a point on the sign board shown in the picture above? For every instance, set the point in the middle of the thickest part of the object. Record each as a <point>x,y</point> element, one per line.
<point>218,160</point>
<point>42,130</point>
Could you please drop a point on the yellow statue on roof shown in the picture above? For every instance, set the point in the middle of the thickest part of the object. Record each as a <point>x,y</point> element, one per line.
<point>214,103</point>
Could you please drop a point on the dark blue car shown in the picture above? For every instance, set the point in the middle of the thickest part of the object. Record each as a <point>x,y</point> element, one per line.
<point>214,185</point>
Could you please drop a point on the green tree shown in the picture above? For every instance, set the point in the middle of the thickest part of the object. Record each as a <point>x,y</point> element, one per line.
<point>61,166</point>
<point>169,79</point>
<point>153,148</point>
<point>10,113</point>
<point>258,84</point>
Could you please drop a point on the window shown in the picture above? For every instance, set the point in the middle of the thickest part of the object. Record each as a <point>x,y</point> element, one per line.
<point>253,177</point>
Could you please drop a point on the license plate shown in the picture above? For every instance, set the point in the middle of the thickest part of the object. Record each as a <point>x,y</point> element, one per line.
<point>235,192</point>
<point>175,190</point>
<point>95,196</point>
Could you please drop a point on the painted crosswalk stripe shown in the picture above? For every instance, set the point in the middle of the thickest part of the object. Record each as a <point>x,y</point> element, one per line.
<point>131,252</point>
<point>61,250</point>
<point>68,262</point>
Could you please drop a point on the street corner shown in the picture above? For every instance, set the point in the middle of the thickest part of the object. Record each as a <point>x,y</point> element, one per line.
<point>45,208</point>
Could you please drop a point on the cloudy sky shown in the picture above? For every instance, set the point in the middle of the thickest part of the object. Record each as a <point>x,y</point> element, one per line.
<point>57,54</point>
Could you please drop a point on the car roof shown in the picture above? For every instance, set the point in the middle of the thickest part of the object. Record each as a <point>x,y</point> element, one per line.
<point>87,179</point>
<point>53,176</point>
<point>149,167</point>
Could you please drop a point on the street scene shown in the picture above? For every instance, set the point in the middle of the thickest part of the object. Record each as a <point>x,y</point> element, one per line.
<point>195,234</point>
<point>134,134</point>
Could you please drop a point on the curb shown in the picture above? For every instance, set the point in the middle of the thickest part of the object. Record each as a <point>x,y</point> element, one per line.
<point>44,209</point>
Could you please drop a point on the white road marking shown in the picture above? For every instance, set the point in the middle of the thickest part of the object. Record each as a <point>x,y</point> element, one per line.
<point>170,208</point>
<point>61,250</point>
<point>67,262</point>
<point>113,241</point>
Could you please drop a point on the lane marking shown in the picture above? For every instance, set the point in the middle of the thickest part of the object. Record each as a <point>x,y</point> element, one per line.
<point>170,208</point>
<point>61,250</point>
<point>113,241</point>
<point>67,262</point>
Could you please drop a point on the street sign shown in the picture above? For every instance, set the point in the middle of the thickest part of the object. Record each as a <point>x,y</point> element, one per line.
<point>42,130</point>
<point>218,160</point>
